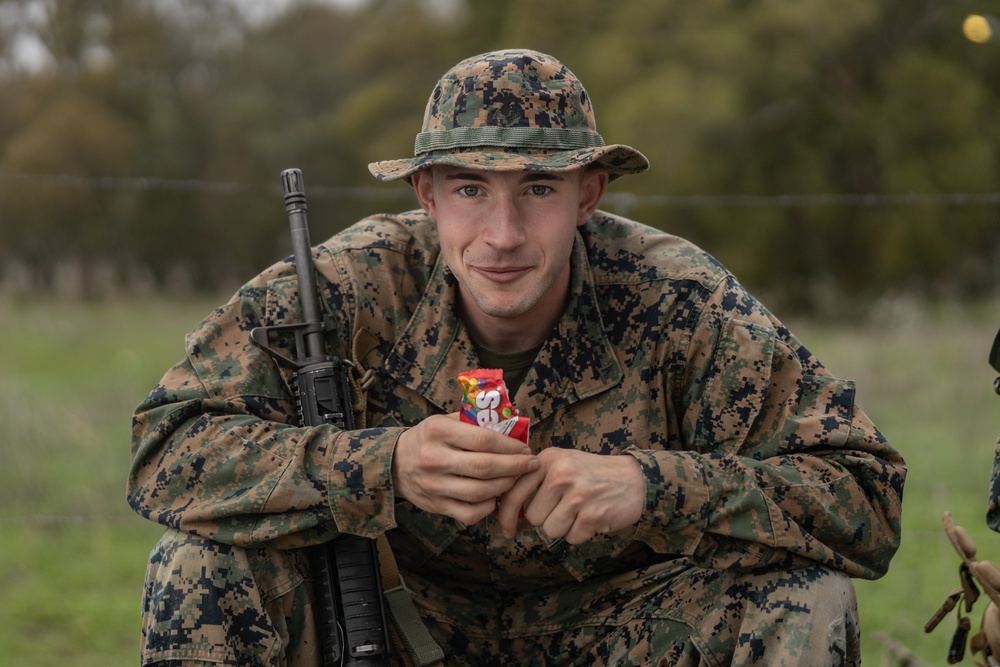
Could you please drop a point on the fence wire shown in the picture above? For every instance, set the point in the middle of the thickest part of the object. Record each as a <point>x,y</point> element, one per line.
<point>621,199</point>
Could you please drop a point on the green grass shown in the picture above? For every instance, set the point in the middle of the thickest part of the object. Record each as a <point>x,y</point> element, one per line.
<point>72,555</point>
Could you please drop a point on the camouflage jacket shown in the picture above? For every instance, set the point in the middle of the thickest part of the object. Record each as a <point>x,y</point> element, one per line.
<point>752,453</point>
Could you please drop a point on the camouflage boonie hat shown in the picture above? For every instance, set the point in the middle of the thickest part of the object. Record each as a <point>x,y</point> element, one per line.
<point>513,110</point>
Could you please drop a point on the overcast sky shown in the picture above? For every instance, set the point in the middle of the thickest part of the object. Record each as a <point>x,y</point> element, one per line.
<point>30,53</point>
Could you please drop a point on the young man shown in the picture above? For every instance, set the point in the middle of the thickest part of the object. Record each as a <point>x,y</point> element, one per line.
<point>696,488</point>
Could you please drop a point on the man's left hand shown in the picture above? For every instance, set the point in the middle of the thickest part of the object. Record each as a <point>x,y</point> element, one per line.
<point>576,495</point>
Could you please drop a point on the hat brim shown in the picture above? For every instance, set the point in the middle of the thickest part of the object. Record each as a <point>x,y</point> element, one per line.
<point>618,159</point>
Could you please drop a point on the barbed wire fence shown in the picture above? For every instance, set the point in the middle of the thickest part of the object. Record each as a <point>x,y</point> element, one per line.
<point>625,200</point>
<point>73,277</point>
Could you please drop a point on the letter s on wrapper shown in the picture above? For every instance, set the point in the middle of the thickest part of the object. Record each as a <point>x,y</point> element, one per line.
<point>485,403</point>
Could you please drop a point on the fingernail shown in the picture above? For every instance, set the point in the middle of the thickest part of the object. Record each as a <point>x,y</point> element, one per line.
<point>533,464</point>
<point>526,450</point>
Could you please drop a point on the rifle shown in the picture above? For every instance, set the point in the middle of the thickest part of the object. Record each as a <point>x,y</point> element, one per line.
<point>351,612</point>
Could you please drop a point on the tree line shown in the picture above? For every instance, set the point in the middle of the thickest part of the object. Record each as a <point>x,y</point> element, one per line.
<point>828,153</point>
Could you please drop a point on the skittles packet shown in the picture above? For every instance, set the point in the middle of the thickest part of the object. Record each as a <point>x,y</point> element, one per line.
<point>485,402</point>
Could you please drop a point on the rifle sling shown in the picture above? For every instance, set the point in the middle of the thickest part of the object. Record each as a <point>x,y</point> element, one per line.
<point>411,632</point>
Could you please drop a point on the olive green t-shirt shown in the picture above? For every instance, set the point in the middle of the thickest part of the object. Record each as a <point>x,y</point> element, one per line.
<point>515,365</point>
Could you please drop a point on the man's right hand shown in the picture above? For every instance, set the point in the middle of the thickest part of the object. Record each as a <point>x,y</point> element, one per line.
<point>446,466</point>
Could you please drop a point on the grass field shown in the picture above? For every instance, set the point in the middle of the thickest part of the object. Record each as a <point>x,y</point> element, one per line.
<point>72,555</point>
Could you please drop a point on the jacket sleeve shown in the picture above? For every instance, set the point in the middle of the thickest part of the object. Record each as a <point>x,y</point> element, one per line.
<point>779,465</point>
<point>216,452</point>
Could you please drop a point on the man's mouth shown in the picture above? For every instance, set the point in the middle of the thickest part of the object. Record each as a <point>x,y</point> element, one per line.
<point>502,274</point>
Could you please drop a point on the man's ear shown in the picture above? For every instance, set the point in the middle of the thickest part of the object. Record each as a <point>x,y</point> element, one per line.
<point>423,186</point>
<point>592,188</point>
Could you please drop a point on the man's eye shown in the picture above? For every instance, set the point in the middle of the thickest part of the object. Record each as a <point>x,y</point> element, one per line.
<point>539,190</point>
<point>469,190</point>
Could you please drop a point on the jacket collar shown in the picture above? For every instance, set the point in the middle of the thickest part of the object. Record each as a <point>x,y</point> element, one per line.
<point>575,362</point>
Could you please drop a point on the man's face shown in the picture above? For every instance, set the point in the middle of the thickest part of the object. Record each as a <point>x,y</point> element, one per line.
<point>507,237</point>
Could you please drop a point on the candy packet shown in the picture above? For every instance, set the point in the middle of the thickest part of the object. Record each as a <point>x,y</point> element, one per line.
<point>485,402</point>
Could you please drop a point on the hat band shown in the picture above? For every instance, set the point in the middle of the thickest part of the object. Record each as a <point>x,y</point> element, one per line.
<point>554,138</point>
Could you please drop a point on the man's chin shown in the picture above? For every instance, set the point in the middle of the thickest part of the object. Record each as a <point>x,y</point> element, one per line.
<point>504,312</point>
<point>503,309</point>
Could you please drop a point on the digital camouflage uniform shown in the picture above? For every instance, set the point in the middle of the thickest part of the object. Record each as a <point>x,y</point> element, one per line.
<point>766,486</point>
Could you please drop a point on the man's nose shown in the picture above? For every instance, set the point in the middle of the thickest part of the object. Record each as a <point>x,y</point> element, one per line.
<point>504,224</point>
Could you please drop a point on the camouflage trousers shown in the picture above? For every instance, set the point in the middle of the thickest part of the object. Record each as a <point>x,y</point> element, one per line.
<point>209,604</point>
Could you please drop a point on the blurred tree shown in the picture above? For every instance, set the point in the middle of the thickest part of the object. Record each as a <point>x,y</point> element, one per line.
<point>74,136</point>
<point>728,98</point>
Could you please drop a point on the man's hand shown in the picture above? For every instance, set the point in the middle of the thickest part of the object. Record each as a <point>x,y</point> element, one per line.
<point>576,495</point>
<point>445,466</point>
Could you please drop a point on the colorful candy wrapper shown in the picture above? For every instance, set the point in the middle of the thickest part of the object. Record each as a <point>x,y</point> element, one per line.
<point>485,402</point>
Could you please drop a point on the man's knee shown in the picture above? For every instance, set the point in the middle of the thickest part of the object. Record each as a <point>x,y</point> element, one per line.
<point>802,616</point>
<point>806,616</point>
<point>206,601</point>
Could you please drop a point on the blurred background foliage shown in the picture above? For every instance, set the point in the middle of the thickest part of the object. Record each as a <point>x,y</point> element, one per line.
<point>832,154</point>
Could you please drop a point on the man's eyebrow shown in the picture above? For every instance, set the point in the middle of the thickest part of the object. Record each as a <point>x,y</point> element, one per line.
<point>531,177</point>
<point>465,176</point>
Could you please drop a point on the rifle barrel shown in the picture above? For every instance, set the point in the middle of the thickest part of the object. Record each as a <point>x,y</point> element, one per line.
<point>295,205</point>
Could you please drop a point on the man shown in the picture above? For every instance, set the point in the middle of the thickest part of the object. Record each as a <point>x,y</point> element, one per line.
<point>696,488</point>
